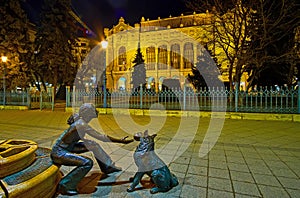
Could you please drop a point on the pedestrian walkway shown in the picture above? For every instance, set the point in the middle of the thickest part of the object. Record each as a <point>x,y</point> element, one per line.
<point>250,159</point>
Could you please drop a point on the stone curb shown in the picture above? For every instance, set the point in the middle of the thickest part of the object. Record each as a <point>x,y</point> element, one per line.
<point>201,114</point>
<point>9,107</point>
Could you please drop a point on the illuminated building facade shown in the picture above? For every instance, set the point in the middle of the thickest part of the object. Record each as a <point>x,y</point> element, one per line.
<point>170,47</point>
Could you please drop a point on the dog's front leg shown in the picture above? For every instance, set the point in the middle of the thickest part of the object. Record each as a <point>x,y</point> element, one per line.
<point>136,180</point>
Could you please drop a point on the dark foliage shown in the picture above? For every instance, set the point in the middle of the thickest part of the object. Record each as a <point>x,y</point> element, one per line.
<point>15,44</point>
<point>206,72</point>
<point>56,37</point>
<point>139,70</point>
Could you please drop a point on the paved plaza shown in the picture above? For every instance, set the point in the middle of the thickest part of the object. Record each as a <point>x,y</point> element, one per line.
<point>251,158</point>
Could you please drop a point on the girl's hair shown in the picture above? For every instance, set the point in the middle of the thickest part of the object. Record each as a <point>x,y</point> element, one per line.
<point>73,118</point>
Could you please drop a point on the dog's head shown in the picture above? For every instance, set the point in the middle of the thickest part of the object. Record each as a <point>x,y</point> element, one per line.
<point>146,141</point>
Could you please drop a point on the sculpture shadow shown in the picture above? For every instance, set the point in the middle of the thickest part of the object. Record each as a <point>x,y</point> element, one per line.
<point>88,185</point>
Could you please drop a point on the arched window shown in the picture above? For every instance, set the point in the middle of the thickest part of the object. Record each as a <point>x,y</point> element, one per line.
<point>188,55</point>
<point>150,53</point>
<point>200,49</point>
<point>175,56</point>
<point>162,57</point>
<point>160,85</point>
<point>122,84</point>
<point>150,83</point>
<point>122,59</point>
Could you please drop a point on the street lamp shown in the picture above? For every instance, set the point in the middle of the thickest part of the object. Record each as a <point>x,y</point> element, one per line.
<point>4,59</point>
<point>104,45</point>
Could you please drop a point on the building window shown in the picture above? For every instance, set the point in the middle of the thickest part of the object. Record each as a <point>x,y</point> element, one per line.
<point>122,59</point>
<point>162,57</point>
<point>188,55</point>
<point>175,56</point>
<point>122,84</point>
<point>150,52</point>
<point>200,50</point>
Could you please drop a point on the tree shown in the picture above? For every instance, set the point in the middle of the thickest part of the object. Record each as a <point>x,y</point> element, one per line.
<point>15,43</point>
<point>272,54</point>
<point>139,70</point>
<point>206,72</point>
<point>230,33</point>
<point>56,36</point>
<point>256,36</point>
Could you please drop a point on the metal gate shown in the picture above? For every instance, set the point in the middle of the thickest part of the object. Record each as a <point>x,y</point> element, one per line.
<point>42,100</point>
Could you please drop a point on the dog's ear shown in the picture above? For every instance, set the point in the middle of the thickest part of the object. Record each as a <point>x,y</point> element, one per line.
<point>146,133</point>
<point>153,136</point>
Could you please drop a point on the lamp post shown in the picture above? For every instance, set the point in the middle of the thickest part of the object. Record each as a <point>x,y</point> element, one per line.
<point>104,45</point>
<point>4,59</point>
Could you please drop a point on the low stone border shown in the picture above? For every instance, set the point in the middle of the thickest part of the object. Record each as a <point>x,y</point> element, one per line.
<point>201,114</point>
<point>9,107</point>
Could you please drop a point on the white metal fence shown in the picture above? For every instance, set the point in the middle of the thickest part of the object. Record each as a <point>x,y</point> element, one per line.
<point>33,100</point>
<point>264,99</point>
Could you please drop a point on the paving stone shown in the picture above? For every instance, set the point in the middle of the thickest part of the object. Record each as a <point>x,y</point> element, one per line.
<point>220,173</point>
<point>238,167</point>
<point>216,193</point>
<point>196,161</point>
<point>276,165</point>
<point>217,158</point>
<point>283,172</point>
<point>261,169</point>
<point>197,170</point>
<point>293,193</point>
<point>182,160</point>
<point>254,161</point>
<point>245,188</point>
<point>182,168</point>
<point>290,182</point>
<point>241,176</point>
<point>195,180</point>
<point>219,184</point>
<point>266,180</point>
<point>270,191</point>
<point>244,196</point>
<point>192,191</point>
<point>237,160</point>
<point>217,164</point>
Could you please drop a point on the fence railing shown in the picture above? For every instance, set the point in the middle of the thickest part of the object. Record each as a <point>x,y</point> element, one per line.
<point>263,99</point>
<point>33,100</point>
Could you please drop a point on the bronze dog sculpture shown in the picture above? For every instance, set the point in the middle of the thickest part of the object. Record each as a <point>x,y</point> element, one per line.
<point>149,163</point>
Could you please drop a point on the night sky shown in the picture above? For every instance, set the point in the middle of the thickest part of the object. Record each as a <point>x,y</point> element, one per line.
<point>106,13</point>
<point>98,14</point>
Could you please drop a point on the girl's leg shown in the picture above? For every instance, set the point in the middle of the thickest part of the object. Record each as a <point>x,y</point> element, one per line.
<point>69,183</point>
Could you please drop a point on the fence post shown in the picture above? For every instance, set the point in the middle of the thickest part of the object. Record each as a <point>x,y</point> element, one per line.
<point>67,96</point>
<point>53,98</point>
<point>104,93</point>
<point>23,96</point>
<point>28,98</point>
<point>298,96</point>
<point>184,97</point>
<point>236,97</point>
<point>74,99</point>
<point>141,96</point>
<point>41,100</point>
